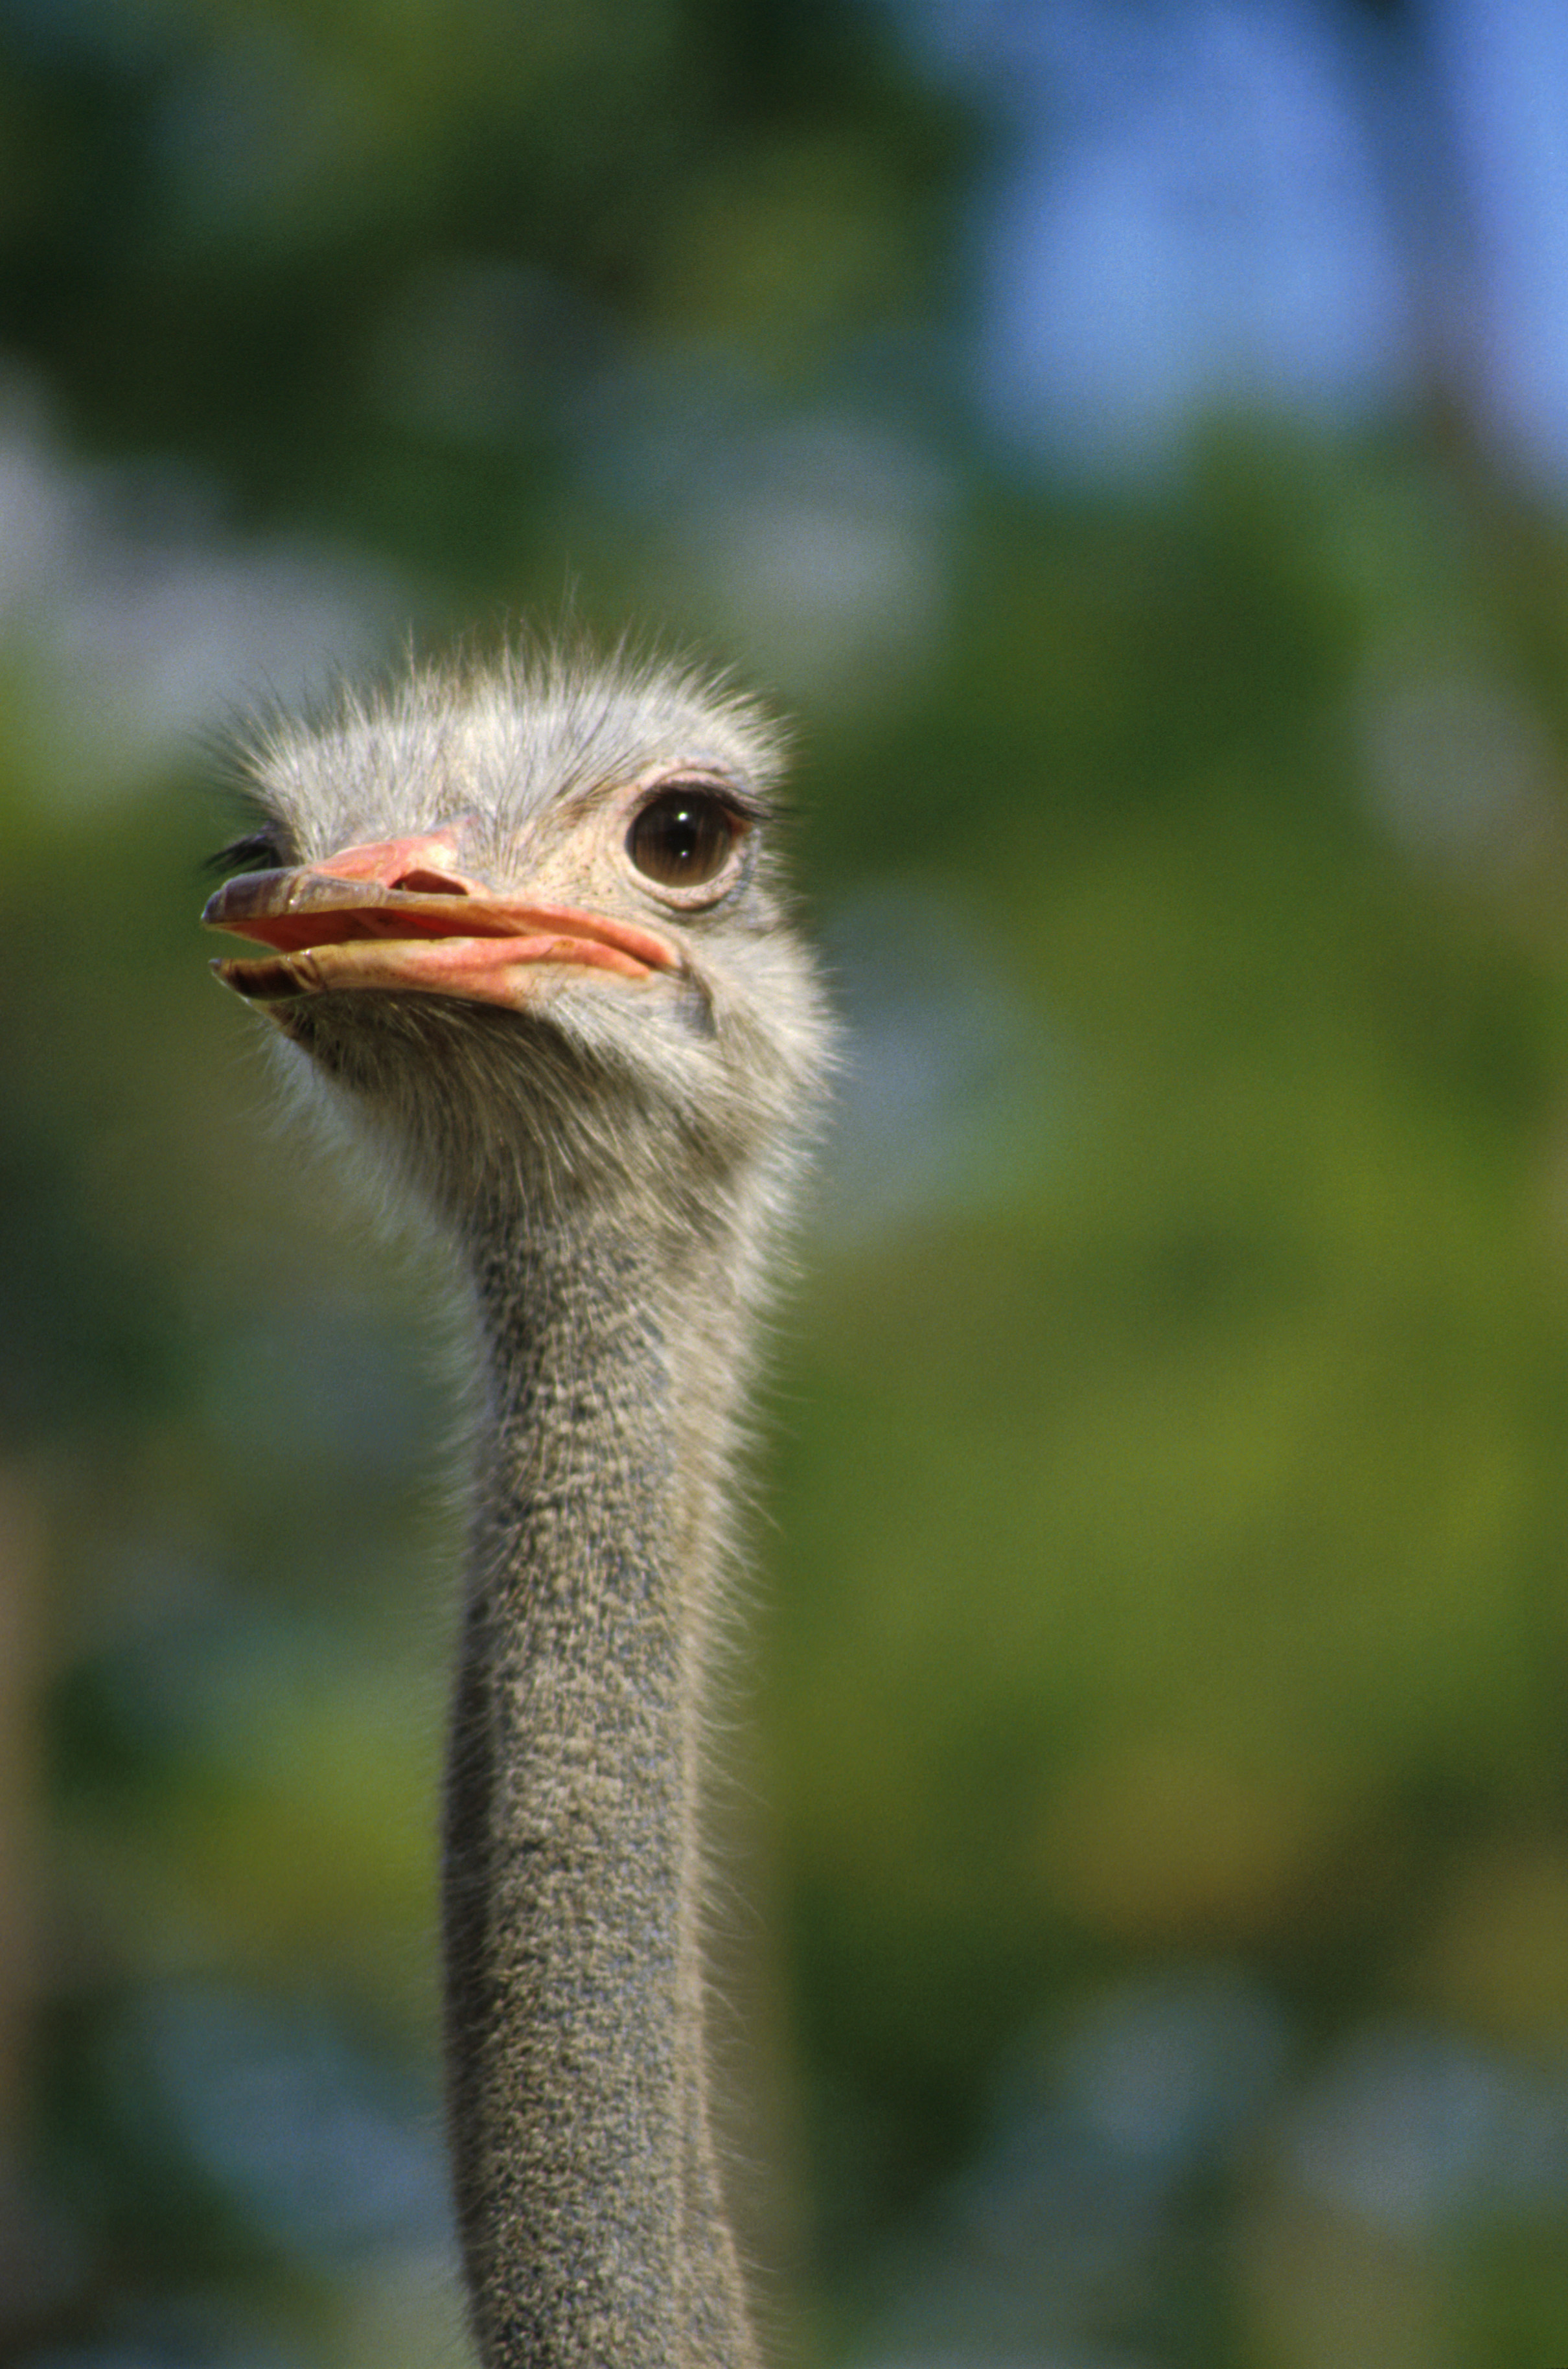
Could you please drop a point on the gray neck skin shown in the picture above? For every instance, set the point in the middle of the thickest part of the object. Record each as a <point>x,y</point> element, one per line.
<point>588,2202</point>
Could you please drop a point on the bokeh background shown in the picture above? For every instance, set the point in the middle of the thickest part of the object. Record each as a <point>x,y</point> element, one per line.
<point>1132,441</point>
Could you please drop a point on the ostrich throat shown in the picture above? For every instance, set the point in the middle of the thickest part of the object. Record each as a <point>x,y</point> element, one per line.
<point>588,2195</point>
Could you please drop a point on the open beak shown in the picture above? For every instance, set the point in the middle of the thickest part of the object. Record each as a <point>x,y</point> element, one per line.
<point>396,918</point>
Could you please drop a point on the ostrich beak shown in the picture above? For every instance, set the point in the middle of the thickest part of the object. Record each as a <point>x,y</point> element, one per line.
<point>396,918</point>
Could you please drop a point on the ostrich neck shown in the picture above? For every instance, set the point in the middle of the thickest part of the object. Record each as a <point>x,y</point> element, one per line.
<point>588,2199</point>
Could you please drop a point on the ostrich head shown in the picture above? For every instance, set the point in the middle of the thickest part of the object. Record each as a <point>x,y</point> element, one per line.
<point>527,923</point>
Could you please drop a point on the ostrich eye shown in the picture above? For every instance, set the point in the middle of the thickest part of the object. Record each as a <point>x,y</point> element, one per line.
<point>683,838</point>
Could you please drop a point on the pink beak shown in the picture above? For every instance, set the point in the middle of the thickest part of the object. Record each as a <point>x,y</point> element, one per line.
<point>398,918</point>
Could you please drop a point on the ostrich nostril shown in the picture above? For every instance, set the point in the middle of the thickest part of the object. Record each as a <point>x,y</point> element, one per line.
<point>423,882</point>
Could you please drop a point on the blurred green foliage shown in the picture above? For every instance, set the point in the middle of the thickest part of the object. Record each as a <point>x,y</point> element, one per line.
<point>364,260</point>
<point>1167,1581</point>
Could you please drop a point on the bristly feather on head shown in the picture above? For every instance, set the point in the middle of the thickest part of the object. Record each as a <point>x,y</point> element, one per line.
<point>540,722</point>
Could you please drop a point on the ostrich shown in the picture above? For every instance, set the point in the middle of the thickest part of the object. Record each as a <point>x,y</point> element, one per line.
<point>524,925</point>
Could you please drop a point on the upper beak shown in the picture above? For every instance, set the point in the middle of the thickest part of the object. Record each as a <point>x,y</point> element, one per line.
<point>397,916</point>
